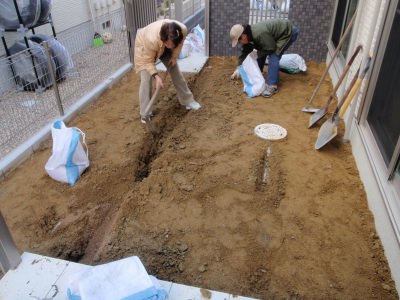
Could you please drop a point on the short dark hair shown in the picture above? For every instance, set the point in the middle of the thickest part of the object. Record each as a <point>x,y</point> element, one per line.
<point>247,31</point>
<point>171,31</point>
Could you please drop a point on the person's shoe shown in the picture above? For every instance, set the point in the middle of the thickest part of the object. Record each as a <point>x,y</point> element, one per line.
<point>269,90</point>
<point>194,105</point>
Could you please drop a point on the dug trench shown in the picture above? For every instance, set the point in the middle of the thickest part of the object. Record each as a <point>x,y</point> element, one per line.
<point>205,202</point>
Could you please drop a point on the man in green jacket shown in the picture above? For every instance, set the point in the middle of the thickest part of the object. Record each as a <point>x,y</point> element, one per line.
<point>271,38</point>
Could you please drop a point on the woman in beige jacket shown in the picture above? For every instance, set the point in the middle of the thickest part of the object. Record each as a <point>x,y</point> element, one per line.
<point>162,40</point>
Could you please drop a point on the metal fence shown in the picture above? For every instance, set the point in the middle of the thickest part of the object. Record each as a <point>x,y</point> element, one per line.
<point>268,9</point>
<point>31,95</point>
<point>180,10</point>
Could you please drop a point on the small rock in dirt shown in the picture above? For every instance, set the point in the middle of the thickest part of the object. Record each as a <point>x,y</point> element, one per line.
<point>96,258</point>
<point>386,287</point>
<point>202,268</point>
<point>187,187</point>
<point>183,247</point>
<point>182,146</point>
<point>181,267</point>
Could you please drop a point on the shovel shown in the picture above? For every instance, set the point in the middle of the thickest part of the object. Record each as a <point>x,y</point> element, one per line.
<point>149,124</point>
<point>308,107</point>
<point>328,130</point>
<point>319,114</point>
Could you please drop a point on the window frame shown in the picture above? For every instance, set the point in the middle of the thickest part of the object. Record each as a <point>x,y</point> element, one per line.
<point>366,100</point>
<point>387,176</point>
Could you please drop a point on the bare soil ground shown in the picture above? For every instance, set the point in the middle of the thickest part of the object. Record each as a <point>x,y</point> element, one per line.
<point>191,201</point>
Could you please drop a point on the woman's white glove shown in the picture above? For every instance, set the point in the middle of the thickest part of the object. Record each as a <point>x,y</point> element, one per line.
<point>236,74</point>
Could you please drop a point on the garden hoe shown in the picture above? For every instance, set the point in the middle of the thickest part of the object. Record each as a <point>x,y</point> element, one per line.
<point>318,115</point>
<point>328,130</point>
<point>308,107</point>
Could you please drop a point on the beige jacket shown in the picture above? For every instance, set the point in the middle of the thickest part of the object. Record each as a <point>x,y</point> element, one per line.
<point>149,47</point>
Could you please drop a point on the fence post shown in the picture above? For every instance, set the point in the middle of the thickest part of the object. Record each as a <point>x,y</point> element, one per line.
<point>179,10</point>
<point>53,78</point>
<point>9,256</point>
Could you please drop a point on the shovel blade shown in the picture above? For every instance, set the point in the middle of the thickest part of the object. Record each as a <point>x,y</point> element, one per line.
<point>309,109</point>
<point>317,116</point>
<point>326,133</point>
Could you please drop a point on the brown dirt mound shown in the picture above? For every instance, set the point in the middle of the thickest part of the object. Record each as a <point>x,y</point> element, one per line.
<point>202,202</point>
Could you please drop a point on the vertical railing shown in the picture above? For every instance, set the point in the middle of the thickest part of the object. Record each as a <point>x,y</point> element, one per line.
<point>53,78</point>
<point>139,13</point>
<point>184,9</point>
<point>179,10</point>
<point>268,9</point>
<point>9,256</point>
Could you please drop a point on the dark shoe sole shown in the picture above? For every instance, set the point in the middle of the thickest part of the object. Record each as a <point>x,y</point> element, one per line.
<point>270,95</point>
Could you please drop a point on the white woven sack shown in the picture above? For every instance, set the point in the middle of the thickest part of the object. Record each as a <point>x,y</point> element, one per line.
<point>292,63</point>
<point>124,279</point>
<point>68,159</point>
<point>253,79</point>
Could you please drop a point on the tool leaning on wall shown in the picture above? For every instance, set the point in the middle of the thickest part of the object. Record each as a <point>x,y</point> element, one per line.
<point>318,115</point>
<point>328,130</point>
<point>308,107</point>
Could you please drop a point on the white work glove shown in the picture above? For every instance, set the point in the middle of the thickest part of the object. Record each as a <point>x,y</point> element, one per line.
<point>236,74</point>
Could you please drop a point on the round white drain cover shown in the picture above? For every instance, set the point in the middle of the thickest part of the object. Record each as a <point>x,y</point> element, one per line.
<point>269,131</point>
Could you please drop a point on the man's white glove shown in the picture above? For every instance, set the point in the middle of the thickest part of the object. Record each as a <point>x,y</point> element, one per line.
<point>236,74</point>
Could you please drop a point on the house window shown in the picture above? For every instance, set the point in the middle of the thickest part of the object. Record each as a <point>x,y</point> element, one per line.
<point>344,12</point>
<point>106,24</point>
<point>383,117</point>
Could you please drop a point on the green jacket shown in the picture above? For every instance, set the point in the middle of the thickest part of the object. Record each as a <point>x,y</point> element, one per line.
<point>270,36</point>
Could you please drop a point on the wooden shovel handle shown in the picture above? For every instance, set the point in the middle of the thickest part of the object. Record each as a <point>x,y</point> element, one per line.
<point>355,87</point>
<point>154,97</point>
<point>350,97</point>
<point>343,75</point>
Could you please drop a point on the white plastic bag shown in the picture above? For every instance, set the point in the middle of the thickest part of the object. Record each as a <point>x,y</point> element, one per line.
<point>123,279</point>
<point>196,39</point>
<point>69,159</point>
<point>291,63</point>
<point>186,48</point>
<point>199,32</point>
<point>253,79</point>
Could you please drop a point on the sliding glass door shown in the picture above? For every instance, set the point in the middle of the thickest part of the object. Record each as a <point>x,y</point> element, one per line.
<point>384,112</point>
<point>344,12</point>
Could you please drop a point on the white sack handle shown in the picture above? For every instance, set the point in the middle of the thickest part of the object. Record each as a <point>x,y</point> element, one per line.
<point>83,141</point>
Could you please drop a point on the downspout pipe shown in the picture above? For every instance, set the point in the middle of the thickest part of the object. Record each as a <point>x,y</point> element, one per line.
<point>367,54</point>
<point>92,14</point>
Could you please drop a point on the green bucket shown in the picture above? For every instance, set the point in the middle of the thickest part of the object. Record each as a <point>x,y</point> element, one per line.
<point>97,40</point>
